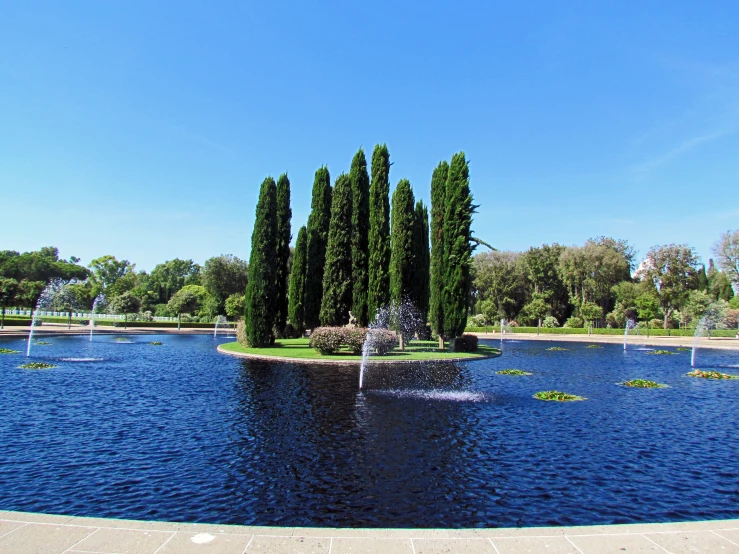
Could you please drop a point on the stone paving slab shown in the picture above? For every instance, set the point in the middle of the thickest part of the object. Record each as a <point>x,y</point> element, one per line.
<point>31,533</point>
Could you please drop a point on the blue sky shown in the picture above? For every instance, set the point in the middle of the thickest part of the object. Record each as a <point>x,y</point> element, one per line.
<point>144,129</point>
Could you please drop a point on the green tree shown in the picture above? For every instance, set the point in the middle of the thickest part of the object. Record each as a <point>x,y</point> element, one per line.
<point>457,250</point>
<point>169,277</point>
<point>500,279</point>
<point>235,305</point>
<point>125,303</point>
<point>438,201</point>
<point>360,237</point>
<point>590,311</point>
<point>726,251</point>
<point>537,308</point>
<point>318,223</point>
<point>337,276</point>
<point>107,270</point>
<point>223,276</point>
<point>401,241</point>
<point>284,215</point>
<point>421,261</point>
<point>378,292</point>
<point>540,265</point>
<point>647,306</point>
<point>260,309</point>
<point>188,300</point>
<point>296,307</point>
<point>8,289</point>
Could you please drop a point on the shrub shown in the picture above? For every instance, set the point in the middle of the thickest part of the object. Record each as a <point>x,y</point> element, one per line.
<point>383,340</point>
<point>550,321</point>
<point>327,340</point>
<point>574,322</point>
<point>476,321</point>
<point>465,343</point>
<point>513,323</point>
<point>355,338</point>
<point>241,334</point>
<point>424,332</point>
<point>291,332</point>
<point>656,324</point>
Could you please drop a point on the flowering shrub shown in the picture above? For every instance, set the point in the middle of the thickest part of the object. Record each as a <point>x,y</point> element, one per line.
<point>354,338</point>
<point>574,322</point>
<point>383,340</point>
<point>465,343</point>
<point>327,340</point>
<point>550,321</point>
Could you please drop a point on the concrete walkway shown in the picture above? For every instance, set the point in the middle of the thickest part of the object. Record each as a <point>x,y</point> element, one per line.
<point>22,533</point>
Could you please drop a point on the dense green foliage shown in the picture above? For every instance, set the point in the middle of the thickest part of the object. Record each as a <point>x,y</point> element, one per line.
<point>378,292</point>
<point>282,255</point>
<point>421,261</point>
<point>224,276</point>
<point>643,384</point>
<point>436,285</point>
<point>457,257</point>
<point>296,306</point>
<point>360,237</point>
<point>401,240</point>
<point>318,223</point>
<point>557,396</point>
<point>337,277</point>
<point>260,294</point>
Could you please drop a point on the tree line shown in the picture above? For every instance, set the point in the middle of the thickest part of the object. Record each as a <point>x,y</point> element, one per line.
<point>359,252</point>
<point>600,283</point>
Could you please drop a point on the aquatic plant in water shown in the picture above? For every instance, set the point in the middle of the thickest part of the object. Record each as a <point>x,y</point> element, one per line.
<point>9,351</point>
<point>643,384</point>
<point>711,374</point>
<point>512,372</point>
<point>683,349</point>
<point>557,396</point>
<point>41,343</point>
<point>660,352</point>
<point>593,346</point>
<point>37,365</point>
<point>155,343</point>
<point>556,349</point>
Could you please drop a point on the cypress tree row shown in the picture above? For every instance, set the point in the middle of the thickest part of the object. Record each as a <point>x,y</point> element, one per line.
<point>421,260</point>
<point>401,240</point>
<point>438,201</point>
<point>260,290</point>
<point>457,250</point>
<point>317,230</point>
<point>378,292</point>
<point>296,308</point>
<point>360,237</point>
<point>337,277</point>
<point>284,214</point>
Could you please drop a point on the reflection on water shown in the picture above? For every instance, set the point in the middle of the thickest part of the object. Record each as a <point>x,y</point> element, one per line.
<point>184,433</point>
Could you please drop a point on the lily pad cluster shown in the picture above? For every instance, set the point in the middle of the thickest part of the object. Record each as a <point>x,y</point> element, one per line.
<point>512,372</point>
<point>37,365</point>
<point>661,352</point>
<point>155,343</point>
<point>643,384</point>
<point>683,349</point>
<point>557,396</point>
<point>9,351</point>
<point>711,374</point>
<point>556,349</point>
<point>41,343</point>
<point>593,346</point>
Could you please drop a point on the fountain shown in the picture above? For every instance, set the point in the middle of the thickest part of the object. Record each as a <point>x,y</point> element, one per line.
<point>712,319</point>
<point>53,292</point>
<point>630,324</point>
<point>99,299</point>
<point>504,328</point>
<point>220,320</point>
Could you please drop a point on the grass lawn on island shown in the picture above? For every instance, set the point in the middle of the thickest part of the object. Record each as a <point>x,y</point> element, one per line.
<point>416,350</point>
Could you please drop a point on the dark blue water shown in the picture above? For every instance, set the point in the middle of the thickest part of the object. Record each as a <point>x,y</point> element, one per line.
<point>180,432</point>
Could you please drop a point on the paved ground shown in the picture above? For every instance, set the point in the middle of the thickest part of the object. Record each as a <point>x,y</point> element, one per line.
<point>22,533</point>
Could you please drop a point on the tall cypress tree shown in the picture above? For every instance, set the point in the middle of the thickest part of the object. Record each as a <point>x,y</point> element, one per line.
<point>457,250</point>
<point>318,223</point>
<point>378,292</point>
<point>421,260</point>
<point>284,214</point>
<point>438,200</point>
<point>260,294</point>
<point>337,277</point>
<point>296,308</point>
<point>401,240</point>
<point>360,237</point>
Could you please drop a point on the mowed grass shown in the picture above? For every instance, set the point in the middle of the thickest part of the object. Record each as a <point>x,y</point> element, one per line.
<point>416,350</point>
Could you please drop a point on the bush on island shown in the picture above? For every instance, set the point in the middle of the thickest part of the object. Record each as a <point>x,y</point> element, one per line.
<point>466,343</point>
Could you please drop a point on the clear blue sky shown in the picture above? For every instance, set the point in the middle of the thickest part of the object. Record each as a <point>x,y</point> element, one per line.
<point>144,129</point>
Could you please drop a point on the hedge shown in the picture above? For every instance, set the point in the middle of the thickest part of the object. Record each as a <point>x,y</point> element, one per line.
<point>606,331</point>
<point>167,324</point>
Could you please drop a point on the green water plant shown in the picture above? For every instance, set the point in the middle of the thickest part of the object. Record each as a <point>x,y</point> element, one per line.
<point>41,343</point>
<point>557,396</point>
<point>512,372</point>
<point>593,346</point>
<point>556,349</point>
<point>683,349</point>
<point>711,374</point>
<point>37,365</point>
<point>9,351</point>
<point>155,343</point>
<point>660,352</point>
<point>643,384</point>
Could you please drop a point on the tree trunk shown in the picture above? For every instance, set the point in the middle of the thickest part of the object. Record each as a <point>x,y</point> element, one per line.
<point>453,344</point>
<point>441,342</point>
<point>69,321</point>
<point>401,341</point>
<point>178,321</point>
<point>2,321</point>
<point>125,321</point>
<point>538,327</point>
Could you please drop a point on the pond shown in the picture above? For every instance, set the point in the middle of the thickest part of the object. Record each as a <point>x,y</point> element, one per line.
<point>126,429</point>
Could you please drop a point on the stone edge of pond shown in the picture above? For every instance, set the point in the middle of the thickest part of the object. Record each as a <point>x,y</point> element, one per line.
<point>347,362</point>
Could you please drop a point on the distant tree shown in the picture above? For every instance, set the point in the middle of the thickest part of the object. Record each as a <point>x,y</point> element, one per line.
<point>296,307</point>
<point>187,300</point>
<point>378,293</point>
<point>537,308</point>
<point>401,241</point>
<point>318,223</point>
<point>169,277</point>
<point>719,287</point>
<point>457,250</point>
<point>284,215</point>
<point>235,306</point>
<point>125,303</point>
<point>259,312</point>
<point>590,311</point>
<point>8,289</point>
<point>647,306</point>
<point>438,201</point>
<point>541,267</point>
<point>701,279</point>
<point>337,276</point>
<point>500,279</point>
<point>672,269</point>
<point>223,276</point>
<point>106,270</point>
<point>726,251</point>
<point>360,237</point>
<point>421,261</point>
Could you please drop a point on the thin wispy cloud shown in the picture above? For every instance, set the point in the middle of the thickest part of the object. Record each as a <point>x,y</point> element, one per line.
<point>683,148</point>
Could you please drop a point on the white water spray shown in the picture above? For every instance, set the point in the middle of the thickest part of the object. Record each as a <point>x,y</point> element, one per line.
<point>53,292</point>
<point>220,320</point>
